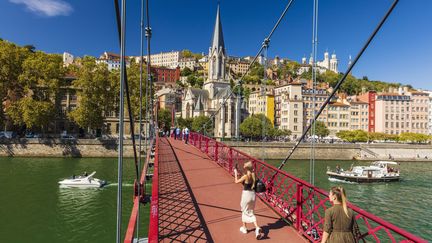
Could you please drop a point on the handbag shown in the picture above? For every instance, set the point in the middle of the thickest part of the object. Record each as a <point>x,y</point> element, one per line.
<point>260,186</point>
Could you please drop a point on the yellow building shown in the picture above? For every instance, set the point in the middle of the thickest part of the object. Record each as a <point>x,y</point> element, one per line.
<point>262,103</point>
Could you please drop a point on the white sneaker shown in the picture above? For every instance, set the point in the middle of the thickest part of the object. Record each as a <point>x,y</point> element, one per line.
<point>258,233</point>
<point>243,230</point>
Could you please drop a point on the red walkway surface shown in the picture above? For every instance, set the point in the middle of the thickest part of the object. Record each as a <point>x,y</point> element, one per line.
<point>199,201</point>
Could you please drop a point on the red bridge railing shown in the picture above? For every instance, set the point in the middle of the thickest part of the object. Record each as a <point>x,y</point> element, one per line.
<point>296,200</point>
<point>139,198</point>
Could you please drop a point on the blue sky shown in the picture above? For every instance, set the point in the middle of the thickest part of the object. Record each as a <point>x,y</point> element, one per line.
<point>400,53</point>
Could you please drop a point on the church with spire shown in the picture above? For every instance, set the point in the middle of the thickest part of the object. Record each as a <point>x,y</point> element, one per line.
<point>216,89</point>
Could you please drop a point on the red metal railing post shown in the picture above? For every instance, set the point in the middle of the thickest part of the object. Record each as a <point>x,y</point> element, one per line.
<point>299,211</point>
<point>200,140</point>
<point>206,146</point>
<point>216,151</point>
<point>230,159</point>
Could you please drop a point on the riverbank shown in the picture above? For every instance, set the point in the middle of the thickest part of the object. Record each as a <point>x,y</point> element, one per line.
<point>65,148</point>
<point>270,150</point>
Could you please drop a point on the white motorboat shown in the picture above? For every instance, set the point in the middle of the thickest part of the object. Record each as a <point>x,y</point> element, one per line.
<point>83,181</point>
<point>378,171</point>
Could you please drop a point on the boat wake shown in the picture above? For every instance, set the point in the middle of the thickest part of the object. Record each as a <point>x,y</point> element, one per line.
<point>116,184</point>
<point>337,180</point>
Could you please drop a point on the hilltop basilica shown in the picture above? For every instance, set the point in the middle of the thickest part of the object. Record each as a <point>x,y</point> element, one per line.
<point>216,89</point>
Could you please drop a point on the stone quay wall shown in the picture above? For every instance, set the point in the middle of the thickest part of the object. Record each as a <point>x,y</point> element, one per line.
<point>272,150</point>
<point>64,148</point>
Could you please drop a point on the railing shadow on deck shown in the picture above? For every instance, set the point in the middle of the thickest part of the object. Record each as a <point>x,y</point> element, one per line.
<point>179,218</point>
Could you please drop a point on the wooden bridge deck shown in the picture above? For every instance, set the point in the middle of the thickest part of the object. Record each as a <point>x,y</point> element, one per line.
<point>199,202</point>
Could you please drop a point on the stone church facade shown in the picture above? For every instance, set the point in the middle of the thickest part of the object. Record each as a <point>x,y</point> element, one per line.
<point>216,89</point>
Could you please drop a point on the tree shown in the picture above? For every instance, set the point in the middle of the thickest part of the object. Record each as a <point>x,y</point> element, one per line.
<point>11,90</point>
<point>164,119</point>
<point>39,81</point>
<point>182,122</point>
<point>321,129</point>
<point>96,87</point>
<point>353,136</point>
<point>199,122</point>
<point>413,137</point>
<point>256,126</point>
<point>289,69</point>
<point>186,72</point>
<point>186,53</point>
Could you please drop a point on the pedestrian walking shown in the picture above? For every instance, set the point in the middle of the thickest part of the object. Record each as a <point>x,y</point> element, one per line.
<point>247,202</point>
<point>186,134</point>
<point>177,133</point>
<point>340,225</point>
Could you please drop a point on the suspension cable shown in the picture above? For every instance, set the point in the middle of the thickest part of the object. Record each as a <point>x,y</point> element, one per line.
<point>148,34</point>
<point>339,83</point>
<point>121,117</point>
<point>314,87</point>
<point>264,131</point>
<point>140,114</point>
<point>126,87</point>
<point>266,40</point>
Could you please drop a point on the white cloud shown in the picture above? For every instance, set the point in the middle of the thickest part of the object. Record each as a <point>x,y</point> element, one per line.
<point>48,8</point>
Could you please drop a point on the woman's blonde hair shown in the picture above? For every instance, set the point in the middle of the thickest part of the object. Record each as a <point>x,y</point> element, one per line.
<point>340,194</point>
<point>249,168</point>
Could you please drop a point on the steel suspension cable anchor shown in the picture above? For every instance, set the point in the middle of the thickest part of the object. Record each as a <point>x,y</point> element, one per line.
<point>339,83</point>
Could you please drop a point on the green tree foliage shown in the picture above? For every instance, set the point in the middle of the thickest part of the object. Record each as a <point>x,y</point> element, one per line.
<point>289,69</point>
<point>32,113</point>
<point>184,122</point>
<point>379,136</point>
<point>256,126</point>
<point>41,71</point>
<point>255,75</point>
<point>353,136</point>
<point>164,119</point>
<point>11,90</point>
<point>414,137</point>
<point>95,92</point>
<point>278,133</point>
<point>199,122</point>
<point>321,129</point>
<point>186,72</point>
<point>133,72</point>
<point>38,83</point>
<point>188,54</point>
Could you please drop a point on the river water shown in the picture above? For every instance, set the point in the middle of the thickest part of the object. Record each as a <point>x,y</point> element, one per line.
<point>34,209</point>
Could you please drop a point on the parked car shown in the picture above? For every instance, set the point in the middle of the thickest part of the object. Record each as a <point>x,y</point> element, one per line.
<point>7,134</point>
<point>67,137</point>
<point>32,135</point>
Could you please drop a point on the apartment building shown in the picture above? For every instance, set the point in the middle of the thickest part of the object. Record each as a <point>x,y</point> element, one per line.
<point>289,108</point>
<point>261,102</point>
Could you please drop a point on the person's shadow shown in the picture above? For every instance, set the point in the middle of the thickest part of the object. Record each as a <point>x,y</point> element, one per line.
<point>280,223</point>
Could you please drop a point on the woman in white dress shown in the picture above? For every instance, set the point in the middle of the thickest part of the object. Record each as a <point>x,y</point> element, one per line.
<point>247,202</point>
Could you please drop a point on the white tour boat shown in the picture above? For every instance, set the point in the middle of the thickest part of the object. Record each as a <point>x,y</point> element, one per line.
<point>378,171</point>
<point>83,181</point>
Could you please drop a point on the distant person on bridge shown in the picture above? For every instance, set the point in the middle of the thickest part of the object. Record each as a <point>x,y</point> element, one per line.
<point>340,225</point>
<point>177,133</point>
<point>186,135</point>
<point>247,202</point>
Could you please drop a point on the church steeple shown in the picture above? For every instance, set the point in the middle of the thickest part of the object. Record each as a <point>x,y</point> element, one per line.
<point>218,40</point>
<point>217,53</point>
